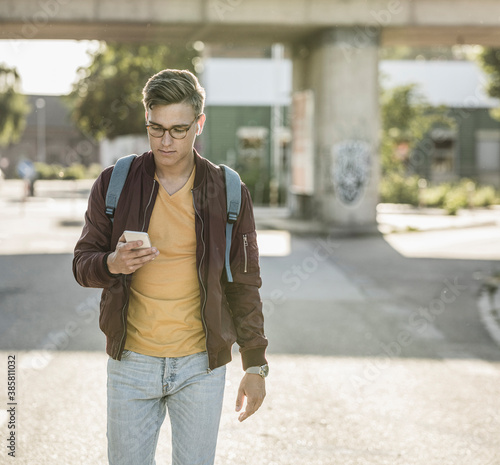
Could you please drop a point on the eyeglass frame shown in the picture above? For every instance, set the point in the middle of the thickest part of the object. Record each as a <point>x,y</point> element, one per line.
<point>173,127</point>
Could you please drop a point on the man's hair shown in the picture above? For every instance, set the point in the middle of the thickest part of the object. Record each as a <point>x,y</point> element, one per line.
<point>174,86</point>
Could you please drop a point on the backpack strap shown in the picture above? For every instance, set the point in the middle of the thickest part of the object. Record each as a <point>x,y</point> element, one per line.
<point>233,202</point>
<point>116,183</point>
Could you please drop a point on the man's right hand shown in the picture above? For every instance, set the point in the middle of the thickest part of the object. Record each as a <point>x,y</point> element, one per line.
<point>125,260</point>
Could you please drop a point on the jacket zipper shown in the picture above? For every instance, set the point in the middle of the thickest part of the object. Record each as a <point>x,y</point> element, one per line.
<point>124,323</point>
<point>202,310</point>
<point>125,277</point>
<point>245,246</point>
<point>147,206</point>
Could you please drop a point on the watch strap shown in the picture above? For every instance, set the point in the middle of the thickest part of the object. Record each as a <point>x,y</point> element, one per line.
<point>262,370</point>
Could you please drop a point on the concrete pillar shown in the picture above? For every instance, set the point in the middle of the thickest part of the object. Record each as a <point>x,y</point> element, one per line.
<point>340,66</point>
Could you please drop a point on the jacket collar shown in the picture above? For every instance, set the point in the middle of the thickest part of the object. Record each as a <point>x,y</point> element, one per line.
<point>149,164</point>
<point>201,169</point>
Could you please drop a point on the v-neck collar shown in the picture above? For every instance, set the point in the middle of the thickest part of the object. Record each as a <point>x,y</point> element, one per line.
<point>187,185</point>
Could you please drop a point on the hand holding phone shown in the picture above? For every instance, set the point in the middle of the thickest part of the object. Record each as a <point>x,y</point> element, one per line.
<point>125,259</point>
<point>131,236</point>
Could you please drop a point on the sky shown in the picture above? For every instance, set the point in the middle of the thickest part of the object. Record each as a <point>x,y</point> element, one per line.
<point>46,67</point>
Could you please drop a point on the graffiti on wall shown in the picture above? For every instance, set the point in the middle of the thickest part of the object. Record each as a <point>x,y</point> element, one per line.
<point>351,169</point>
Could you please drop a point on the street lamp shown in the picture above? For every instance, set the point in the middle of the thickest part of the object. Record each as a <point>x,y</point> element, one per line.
<point>40,125</point>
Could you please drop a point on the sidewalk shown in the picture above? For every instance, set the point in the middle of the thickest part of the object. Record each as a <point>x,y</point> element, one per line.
<point>405,218</point>
<point>50,222</point>
<point>391,218</point>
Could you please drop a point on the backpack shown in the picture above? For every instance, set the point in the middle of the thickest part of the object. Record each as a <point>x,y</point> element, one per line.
<point>233,198</point>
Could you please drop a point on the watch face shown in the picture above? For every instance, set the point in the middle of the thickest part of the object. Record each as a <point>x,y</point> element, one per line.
<point>264,370</point>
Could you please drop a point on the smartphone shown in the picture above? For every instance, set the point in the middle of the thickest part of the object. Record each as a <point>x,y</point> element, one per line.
<point>138,236</point>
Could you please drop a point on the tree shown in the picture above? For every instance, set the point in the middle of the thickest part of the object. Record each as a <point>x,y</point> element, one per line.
<point>407,120</point>
<point>490,61</point>
<point>106,100</point>
<point>13,106</point>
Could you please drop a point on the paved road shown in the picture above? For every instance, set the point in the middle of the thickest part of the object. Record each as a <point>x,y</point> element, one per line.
<point>377,351</point>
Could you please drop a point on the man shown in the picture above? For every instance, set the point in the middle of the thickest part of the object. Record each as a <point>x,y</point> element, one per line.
<point>168,311</point>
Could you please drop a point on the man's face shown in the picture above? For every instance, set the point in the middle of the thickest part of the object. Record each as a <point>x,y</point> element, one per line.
<point>168,151</point>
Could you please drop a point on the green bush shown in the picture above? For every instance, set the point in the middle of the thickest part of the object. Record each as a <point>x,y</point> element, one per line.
<point>94,170</point>
<point>455,199</point>
<point>47,171</point>
<point>484,196</point>
<point>77,171</point>
<point>434,196</point>
<point>396,188</point>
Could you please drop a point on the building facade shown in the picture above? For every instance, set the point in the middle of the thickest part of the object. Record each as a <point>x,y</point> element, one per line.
<point>472,150</point>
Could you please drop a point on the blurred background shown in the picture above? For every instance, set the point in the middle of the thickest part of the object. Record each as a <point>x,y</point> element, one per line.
<point>324,119</point>
<point>368,132</point>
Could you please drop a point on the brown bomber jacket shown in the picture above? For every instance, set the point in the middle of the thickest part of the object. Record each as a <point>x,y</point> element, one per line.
<point>231,312</point>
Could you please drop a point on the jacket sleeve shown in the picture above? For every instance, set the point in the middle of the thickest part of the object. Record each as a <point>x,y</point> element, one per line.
<point>93,247</point>
<point>243,293</point>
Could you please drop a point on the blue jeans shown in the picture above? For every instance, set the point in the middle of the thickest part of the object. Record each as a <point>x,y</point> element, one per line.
<point>141,388</point>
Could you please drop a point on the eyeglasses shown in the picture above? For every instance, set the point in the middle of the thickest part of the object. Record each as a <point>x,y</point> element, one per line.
<point>176,132</point>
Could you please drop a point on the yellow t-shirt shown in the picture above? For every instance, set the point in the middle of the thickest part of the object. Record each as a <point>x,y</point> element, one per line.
<point>164,317</point>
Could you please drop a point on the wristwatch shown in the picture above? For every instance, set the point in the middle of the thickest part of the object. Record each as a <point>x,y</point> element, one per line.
<point>262,370</point>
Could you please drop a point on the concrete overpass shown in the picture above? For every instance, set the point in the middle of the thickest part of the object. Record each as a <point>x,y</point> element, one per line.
<point>407,22</point>
<point>334,45</point>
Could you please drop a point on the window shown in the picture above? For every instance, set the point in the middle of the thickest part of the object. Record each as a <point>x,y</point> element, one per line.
<point>443,153</point>
<point>488,150</point>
